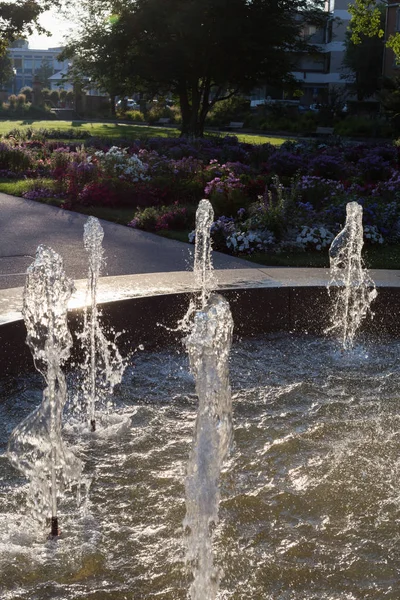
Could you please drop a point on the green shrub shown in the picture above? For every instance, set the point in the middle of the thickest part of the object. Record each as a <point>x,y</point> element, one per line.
<point>363,127</point>
<point>134,115</point>
<point>14,159</point>
<point>27,92</point>
<point>176,217</point>
<point>236,108</point>
<point>159,111</point>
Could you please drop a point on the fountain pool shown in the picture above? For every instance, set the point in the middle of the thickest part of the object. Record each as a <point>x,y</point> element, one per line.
<point>310,500</point>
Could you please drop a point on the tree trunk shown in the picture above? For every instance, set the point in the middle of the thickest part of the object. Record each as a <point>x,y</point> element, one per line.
<point>112,102</point>
<point>193,112</point>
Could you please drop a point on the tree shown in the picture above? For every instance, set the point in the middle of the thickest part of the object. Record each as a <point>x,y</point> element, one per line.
<point>19,18</point>
<point>364,59</point>
<point>390,100</point>
<point>366,21</point>
<point>6,71</point>
<point>97,59</point>
<point>44,72</point>
<point>202,51</point>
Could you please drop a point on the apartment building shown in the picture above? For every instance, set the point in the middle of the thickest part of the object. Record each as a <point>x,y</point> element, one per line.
<point>28,62</point>
<point>319,75</point>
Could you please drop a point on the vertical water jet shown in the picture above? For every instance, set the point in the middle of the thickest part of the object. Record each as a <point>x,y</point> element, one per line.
<point>36,446</point>
<point>208,347</point>
<point>353,287</point>
<point>103,365</point>
<point>203,271</point>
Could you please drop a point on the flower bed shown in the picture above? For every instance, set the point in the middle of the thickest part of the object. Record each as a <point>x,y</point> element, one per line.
<point>265,199</point>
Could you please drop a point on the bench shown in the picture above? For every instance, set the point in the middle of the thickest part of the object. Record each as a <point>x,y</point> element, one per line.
<point>235,125</point>
<point>323,131</point>
<point>163,121</point>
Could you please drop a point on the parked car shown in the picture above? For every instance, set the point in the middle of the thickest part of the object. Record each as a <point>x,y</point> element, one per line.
<point>129,102</point>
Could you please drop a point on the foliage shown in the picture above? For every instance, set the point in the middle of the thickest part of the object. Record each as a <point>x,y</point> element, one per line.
<point>6,70</point>
<point>202,51</point>
<point>365,20</point>
<point>364,59</point>
<point>176,217</point>
<point>364,127</point>
<point>235,108</point>
<point>44,72</point>
<point>19,18</point>
<point>28,93</point>
<point>134,115</point>
<point>13,158</point>
<point>160,111</point>
<point>390,99</point>
<point>259,205</point>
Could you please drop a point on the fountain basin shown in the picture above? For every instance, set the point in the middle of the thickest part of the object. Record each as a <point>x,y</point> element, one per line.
<point>309,496</point>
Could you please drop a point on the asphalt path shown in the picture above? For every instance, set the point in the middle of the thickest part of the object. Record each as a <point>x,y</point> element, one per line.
<point>25,224</point>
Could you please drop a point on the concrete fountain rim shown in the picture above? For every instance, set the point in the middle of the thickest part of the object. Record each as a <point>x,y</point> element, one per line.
<point>124,287</point>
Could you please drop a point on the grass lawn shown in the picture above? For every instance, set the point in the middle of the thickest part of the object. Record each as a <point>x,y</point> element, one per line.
<point>125,130</point>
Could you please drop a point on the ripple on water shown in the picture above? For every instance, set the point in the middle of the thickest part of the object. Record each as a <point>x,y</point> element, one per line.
<point>310,494</point>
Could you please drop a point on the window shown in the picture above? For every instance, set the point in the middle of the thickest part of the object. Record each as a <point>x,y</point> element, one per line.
<point>28,64</point>
<point>398,19</point>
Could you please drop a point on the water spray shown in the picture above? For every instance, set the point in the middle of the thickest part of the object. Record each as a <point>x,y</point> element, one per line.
<point>354,288</point>
<point>103,365</point>
<point>36,447</point>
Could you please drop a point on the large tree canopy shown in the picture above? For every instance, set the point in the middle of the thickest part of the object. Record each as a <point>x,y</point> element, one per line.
<point>19,18</point>
<point>200,50</point>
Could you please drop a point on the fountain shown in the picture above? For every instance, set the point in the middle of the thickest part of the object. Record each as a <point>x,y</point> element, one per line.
<point>307,507</point>
<point>208,346</point>
<point>356,289</point>
<point>103,365</point>
<point>36,447</point>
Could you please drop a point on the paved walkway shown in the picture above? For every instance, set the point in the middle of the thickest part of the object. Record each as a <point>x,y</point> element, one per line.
<point>24,224</point>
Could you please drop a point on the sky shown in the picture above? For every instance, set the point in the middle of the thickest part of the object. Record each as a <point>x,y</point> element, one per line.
<point>56,25</point>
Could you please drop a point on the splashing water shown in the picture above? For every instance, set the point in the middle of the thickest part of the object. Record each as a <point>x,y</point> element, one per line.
<point>103,365</point>
<point>36,447</point>
<point>208,347</point>
<point>356,289</point>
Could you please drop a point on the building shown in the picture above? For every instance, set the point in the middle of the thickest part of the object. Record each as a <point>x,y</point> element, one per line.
<point>59,80</point>
<point>320,75</point>
<point>29,63</point>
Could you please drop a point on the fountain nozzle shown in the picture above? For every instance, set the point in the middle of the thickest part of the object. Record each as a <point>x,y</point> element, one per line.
<point>55,532</point>
<point>92,424</point>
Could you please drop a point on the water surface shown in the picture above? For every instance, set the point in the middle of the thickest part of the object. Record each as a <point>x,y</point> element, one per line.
<point>310,497</point>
